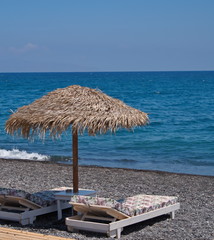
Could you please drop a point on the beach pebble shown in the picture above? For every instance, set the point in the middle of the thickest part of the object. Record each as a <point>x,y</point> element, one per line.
<point>195,219</point>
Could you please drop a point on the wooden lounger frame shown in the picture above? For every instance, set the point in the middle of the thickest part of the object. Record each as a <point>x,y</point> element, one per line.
<point>22,210</point>
<point>91,215</point>
<point>12,234</point>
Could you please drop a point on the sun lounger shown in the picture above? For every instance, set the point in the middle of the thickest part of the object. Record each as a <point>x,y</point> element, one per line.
<point>109,216</point>
<point>23,207</point>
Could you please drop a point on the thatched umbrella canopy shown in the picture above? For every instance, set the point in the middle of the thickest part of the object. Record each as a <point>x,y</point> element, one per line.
<point>80,107</point>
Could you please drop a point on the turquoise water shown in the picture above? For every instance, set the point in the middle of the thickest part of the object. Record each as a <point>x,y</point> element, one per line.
<point>179,138</point>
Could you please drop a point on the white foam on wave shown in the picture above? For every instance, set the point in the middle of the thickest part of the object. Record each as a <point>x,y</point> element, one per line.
<point>17,154</point>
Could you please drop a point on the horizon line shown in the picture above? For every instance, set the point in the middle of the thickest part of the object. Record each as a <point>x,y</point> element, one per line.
<point>109,71</point>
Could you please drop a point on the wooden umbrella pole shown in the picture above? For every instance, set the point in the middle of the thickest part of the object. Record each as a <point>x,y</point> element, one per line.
<point>75,162</point>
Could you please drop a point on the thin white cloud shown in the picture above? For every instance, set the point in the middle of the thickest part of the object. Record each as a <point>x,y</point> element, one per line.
<point>26,48</point>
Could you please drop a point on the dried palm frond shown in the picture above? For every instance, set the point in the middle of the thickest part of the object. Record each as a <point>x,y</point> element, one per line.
<point>82,107</point>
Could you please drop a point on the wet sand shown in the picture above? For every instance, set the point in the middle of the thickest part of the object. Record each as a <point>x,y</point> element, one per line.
<point>195,219</point>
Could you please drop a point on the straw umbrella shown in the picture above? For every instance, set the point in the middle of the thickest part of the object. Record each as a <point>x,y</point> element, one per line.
<point>80,107</point>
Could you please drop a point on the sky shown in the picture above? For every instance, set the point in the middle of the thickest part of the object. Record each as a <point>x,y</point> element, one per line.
<point>111,35</point>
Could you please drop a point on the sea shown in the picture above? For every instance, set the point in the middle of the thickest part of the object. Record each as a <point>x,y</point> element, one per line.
<point>179,137</point>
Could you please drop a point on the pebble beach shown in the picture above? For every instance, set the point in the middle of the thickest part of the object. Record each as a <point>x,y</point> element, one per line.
<point>195,219</point>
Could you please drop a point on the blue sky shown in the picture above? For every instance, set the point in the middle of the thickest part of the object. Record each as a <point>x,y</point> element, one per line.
<point>111,35</point>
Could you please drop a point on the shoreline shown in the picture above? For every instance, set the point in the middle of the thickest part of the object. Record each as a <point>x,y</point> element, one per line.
<point>97,166</point>
<point>195,219</point>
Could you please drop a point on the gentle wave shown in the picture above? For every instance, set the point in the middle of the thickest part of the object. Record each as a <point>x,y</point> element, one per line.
<point>17,154</point>
<point>179,137</point>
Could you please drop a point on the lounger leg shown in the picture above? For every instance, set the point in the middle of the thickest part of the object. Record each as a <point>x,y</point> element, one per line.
<point>118,234</point>
<point>71,229</point>
<point>25,221</point>
<point>172,215</point>
<point>115,233</point>
<point>112,234</point>
<point>59,210</point>
<point>32,219</point>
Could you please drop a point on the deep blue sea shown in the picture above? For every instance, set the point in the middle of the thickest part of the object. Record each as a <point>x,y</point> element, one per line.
<point>179,138</point>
